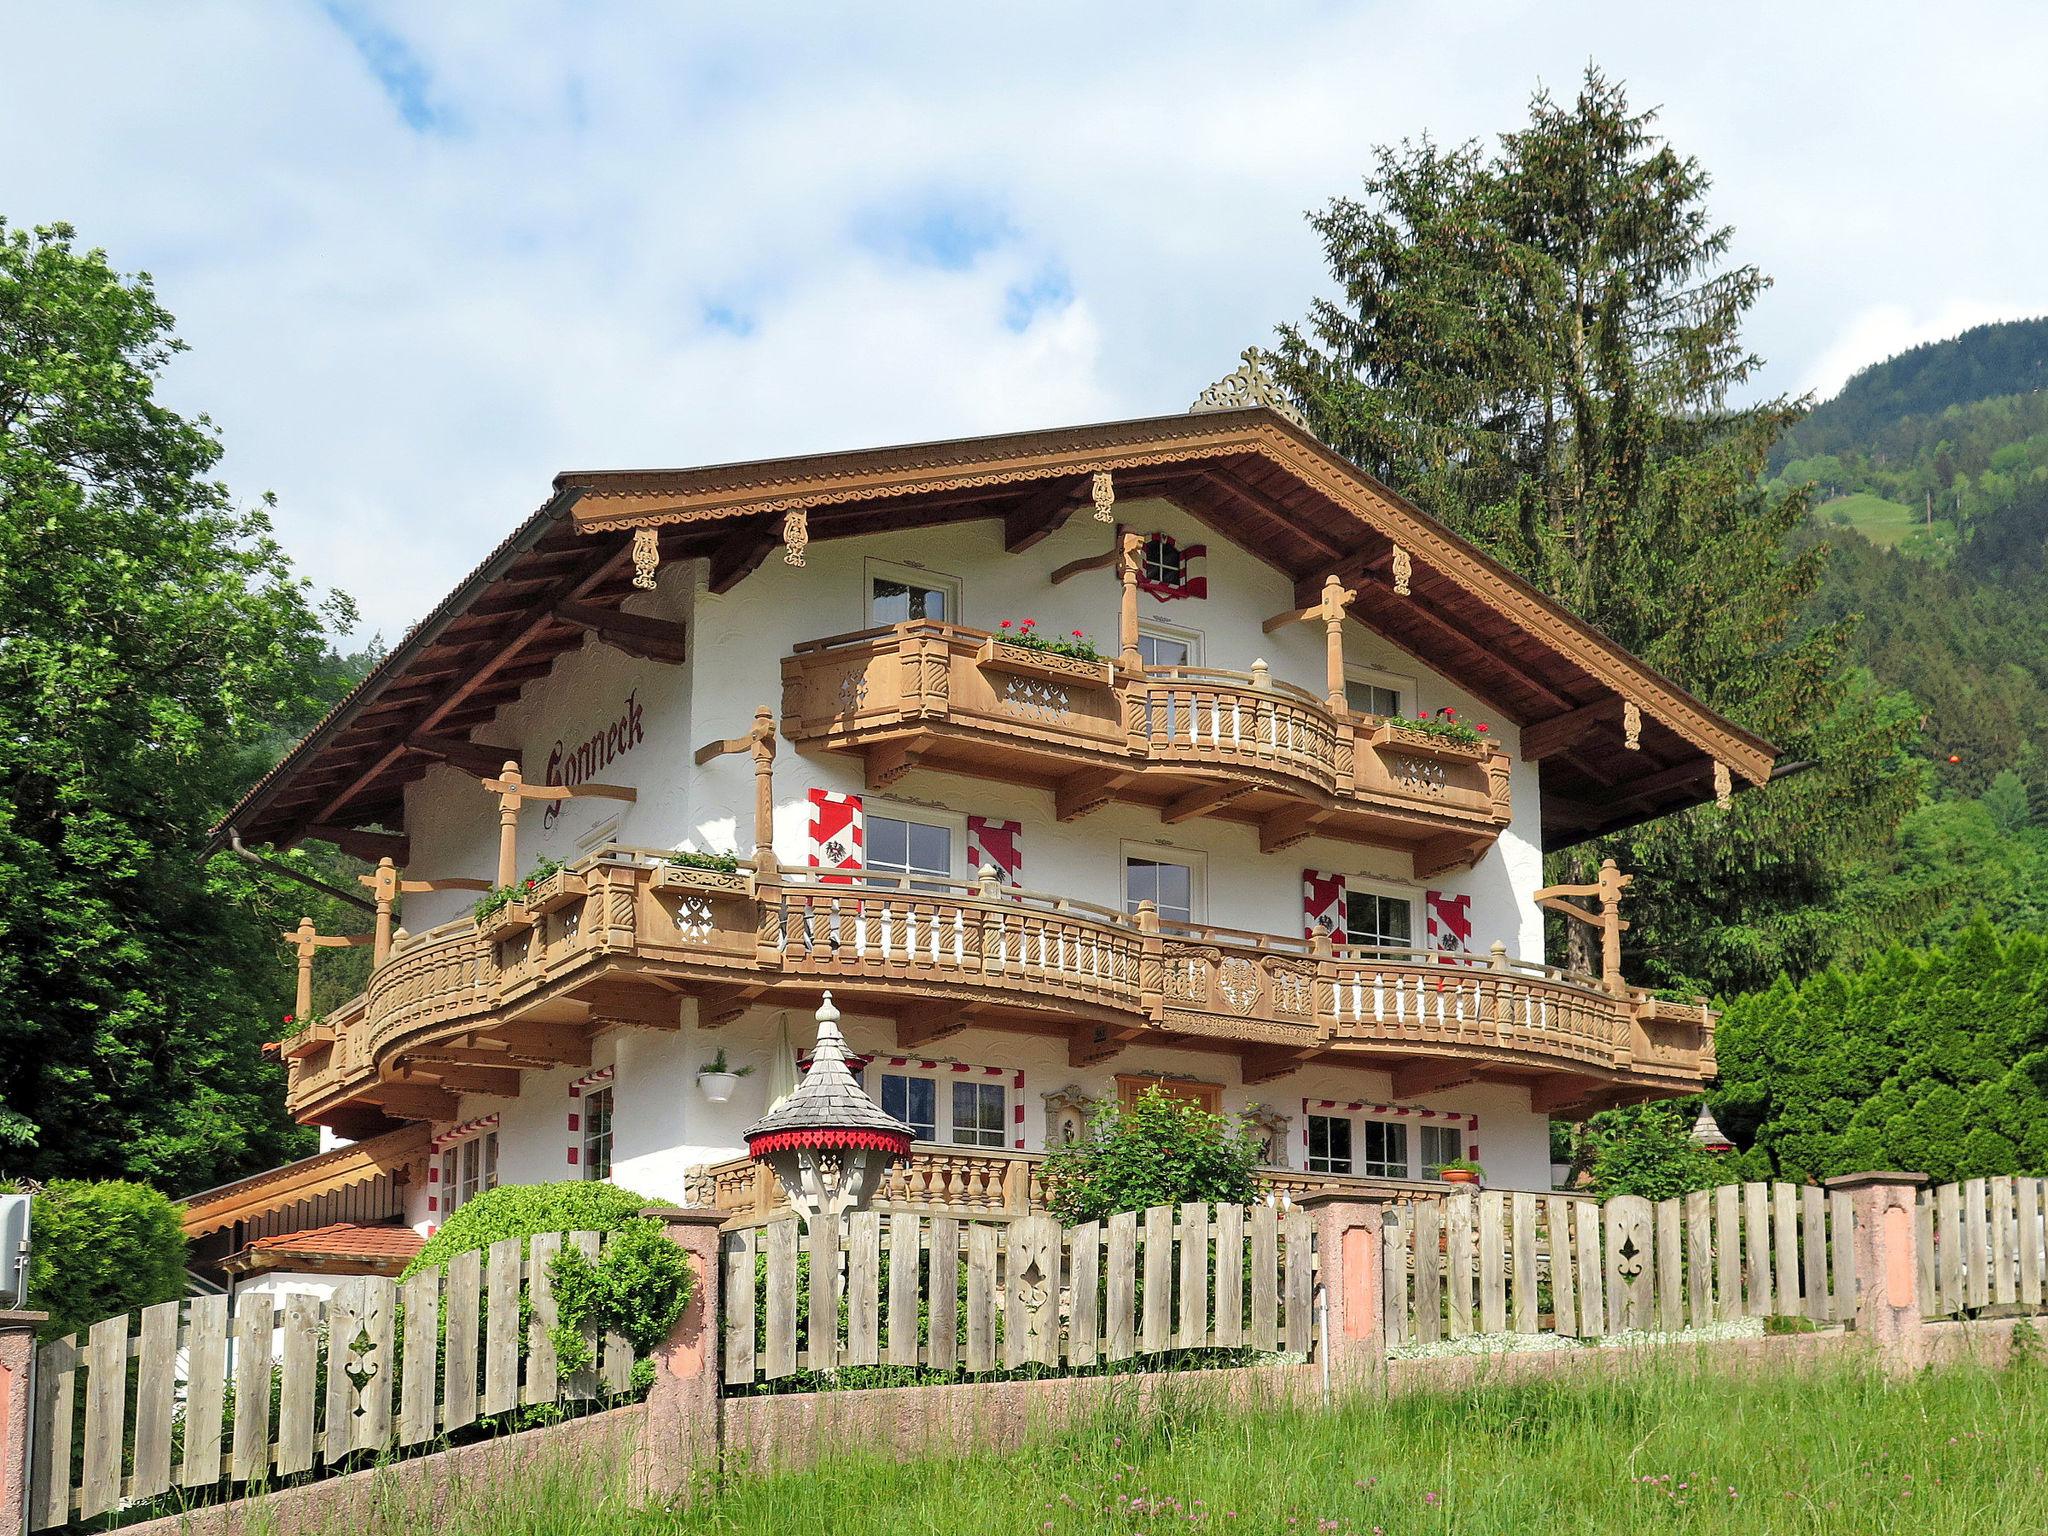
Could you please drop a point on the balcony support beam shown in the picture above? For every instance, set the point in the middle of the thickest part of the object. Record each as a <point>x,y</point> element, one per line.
<point>475,757</point>
<point>1091,1044</point>
<point>498,1082</point>
<point>561,1045</point>
<point>1414,1079</point>
<point>634,634</point>
<point>920,1027</point>
<point>1446,852</point>
<point>412,1101</point>
<point>1263,1063</point>
<point>720,1006</point>
<point>1547,738</point>
<point>1294,824</point>
<point>1200,802</point>
<point>1076,796</point>
<point>1038,516</point>
<point>887,761</point>
<point>1555,1093</point>
<point>368,846</point>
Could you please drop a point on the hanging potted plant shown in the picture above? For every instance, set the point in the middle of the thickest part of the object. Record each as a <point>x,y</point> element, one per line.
<point>717,1078</point>
<point>1460,1170</point>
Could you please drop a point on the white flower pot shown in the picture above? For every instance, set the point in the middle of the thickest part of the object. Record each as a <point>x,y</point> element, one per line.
<point>1559,1172</point>
<point>718,1086</point>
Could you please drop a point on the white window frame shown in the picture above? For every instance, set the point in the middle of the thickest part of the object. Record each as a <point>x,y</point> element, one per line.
<point>1156,629</point>
<point>1424,1128</point>
<point>1379,677</point>
<point>1194,861</point>
<point>955,823</point>
<point>1362,885</point>
<point>1309,1158</point>
<point>1417,1166</point>
<point>913,575</point>
<point>944,1131</point>
<point>454,1191</point>
<point>591,1134</point>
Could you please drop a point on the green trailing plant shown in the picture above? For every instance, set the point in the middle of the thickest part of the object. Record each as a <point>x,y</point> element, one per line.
<point>1157,1150</point>
<point>1026,633</point>
<point>98,1248</point>
<point>501,897</point>
<point>1462,1165</point>
<point>718,1063</point>
<point>1445,725</point>
<point>637,1288</point>
<point>718,863</point>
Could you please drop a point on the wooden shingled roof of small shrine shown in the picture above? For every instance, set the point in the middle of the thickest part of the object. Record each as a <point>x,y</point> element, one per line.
<point>1250,472</point>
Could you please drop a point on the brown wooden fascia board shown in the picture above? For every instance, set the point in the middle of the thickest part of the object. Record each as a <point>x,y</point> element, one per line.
<point>623,500</point>
<point>325,1173</point>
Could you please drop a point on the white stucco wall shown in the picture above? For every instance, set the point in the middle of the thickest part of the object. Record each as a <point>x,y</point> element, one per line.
<point>737,641</point>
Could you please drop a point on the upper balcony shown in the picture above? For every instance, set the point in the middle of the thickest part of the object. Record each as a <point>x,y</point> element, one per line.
<point>622,936</point>
<point>1188,741</point>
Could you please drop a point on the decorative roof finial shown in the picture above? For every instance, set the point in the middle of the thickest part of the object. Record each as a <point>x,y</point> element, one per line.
<point>1248,386</point>
<point>1707,1132</point>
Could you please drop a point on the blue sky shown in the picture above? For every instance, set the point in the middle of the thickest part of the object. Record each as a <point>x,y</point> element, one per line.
<point>425,256</point>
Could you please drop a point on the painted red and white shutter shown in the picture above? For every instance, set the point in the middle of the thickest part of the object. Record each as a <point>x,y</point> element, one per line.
<point>1322,905</point>
<point>998,845</point>
<point>838,834</point>
<point>1449,922</point>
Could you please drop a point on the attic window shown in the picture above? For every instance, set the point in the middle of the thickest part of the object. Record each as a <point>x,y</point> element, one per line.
<point>1164,564</point>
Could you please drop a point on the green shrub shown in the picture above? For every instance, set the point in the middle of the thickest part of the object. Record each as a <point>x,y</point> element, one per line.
<point>98,1248</point>
<point>1160,1150</point>
<point>1648,1150</point>
<point>522,1210</point>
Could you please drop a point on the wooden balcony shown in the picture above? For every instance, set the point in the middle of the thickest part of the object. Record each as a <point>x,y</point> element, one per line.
<point>989,1185</point>
<point>456,1011</point>
<point>1186,741</point>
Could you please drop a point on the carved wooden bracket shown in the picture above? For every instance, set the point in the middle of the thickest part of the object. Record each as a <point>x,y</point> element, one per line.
<point>646,557</point>
<point>636,634</point>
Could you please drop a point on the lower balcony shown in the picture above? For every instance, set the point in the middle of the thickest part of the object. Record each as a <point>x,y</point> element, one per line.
<point>455,1010</point>
<point>1187,741</point>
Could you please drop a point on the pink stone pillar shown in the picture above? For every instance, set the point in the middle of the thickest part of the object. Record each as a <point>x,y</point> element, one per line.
<point>1886,1249</point>
<point>680,1437</point>
<point>17,1351</point>
<point>1348,1241</point>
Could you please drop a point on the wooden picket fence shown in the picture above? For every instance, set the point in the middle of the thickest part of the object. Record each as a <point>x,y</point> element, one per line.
<point>1499,1262</point>
<point>1983,1243</point>
<point>952,1295</point>
<point>181,1395</point>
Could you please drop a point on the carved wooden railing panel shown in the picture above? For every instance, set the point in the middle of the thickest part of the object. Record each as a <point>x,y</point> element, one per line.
<point>1201,718</point>
<point>444,974</point>
<point>1415,996</point>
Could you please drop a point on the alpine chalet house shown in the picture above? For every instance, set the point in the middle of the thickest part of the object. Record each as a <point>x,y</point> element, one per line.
<point>1168,751</point>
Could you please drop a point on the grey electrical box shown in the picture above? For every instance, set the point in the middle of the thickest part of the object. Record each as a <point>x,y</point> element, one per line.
<point>14,1251</point>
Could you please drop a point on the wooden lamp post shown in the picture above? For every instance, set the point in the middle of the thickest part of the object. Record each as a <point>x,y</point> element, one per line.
<point>512,791</point>
<point>1608,920</point>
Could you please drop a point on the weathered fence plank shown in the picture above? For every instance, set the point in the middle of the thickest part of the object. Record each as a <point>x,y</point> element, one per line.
<point>156,1397</point>
<point>739,1302</point>
<point>1191,1328</point>
<point>50,1468</point>
<point>863,1288</point>
<point>1265,1225</point>
<point>255,1320</point>
<point>420,1297</point>
<point>106,1406</point>
<point>501,1326</point>
<point>1670,1267</point>
<point>821,1323</point>
<point>1785,1249</point>
<point>1429,1272</point>
<point>2005,1289</point>
<point>1699,1258</point>
<point>543,1370</point>
<point>206,1361</point>
<point>906,1259</point>
<point>464,1319</point>
<point>299,1372</point>
<point>1592,1273</point>
<point>1493,1287</point>
<point>1522,1248</point>
<point>1564,1295</point>
<point>1031,1292</point>
<point>1927,1280</point>
<point>1756,1243</point>
<point>1627,1222</point>
<point>944,1292</point>
<point>1458,1240</point>
<point>982,1253</point>
<point>1300,1281</point>
<point>1393,1277</point>
<point>2027,1217</point>
<point>1949,1242</point>
<point>1813,1233</point>
<point>1229,1328</point>
<point>1728,1253</point>
<point>1976,1246</point>
<point>1842,1255</point>
<point>1084,1327</point>
<point>1157,1331</point>
<point>779,1345</point>
<point>1121,1284</point>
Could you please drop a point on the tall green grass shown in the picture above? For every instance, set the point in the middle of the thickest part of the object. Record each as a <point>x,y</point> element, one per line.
<point>1839,1450</point>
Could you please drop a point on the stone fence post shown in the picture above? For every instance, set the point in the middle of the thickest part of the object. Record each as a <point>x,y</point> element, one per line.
<point>1886,1256</point>
<point>1348,1245</point>
<point>680,1437</point>
<point>17,1353</point>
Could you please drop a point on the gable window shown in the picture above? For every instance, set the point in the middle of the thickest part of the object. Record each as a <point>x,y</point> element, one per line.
<point>921,851</point>
<point>597,1135</point>
<point>1164,564</point>
<point>1375,920</point>
<point>898,593</point>
<point>468,1169</point>
<point>1164,880</point>
<point>1329,1144</point>
<point>1160,645</point>
<point>973,1112</point>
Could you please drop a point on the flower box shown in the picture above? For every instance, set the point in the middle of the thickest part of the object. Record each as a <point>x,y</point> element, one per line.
<point>1397,735</point>
<point>998,655</point>
<point>317,1036</point>
<point>705,882</point>
<point>510,919</point>
<point>552,892</point>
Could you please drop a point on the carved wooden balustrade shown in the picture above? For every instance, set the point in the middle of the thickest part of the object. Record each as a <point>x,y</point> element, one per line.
<point>1187,740</point>
<point>625,924</point>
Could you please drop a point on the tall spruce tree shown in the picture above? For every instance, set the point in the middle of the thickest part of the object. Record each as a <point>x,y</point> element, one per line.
<point>1539,344</point>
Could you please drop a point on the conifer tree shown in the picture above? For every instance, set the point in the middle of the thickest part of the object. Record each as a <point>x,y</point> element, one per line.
<point>1541,345</point>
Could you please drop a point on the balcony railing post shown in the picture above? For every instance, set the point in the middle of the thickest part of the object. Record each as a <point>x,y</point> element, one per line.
<point>1336,598</point>
<point>1151,961</point>
<point>1130,557</point>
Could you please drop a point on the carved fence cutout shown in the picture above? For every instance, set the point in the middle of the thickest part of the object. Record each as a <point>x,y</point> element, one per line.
<point>950,1295</point>
<point>296,1385</point>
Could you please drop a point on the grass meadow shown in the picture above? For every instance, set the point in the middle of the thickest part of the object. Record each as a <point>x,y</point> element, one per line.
<point>1839,1450</point>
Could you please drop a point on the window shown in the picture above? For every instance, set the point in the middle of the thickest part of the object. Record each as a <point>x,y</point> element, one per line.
<point>978,1114</point>
<point>1168,883</point>
<point>597,1134</point>
<point>897,593</point>
<point>896,846</point>
<point>1132,1086</point>
<point>1329,1144</point>
<point>974,1113</point>
<point>1164,564</point>
<point>1161,646</point>
<point>1440,1144</point>
<point>1378,921</point>
<point>1384,694</point>
<point>468,1169</point>
<point>1386,1150</point>
<point>914,1101</point>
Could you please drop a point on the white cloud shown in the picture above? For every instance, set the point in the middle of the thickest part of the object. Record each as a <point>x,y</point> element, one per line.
<point>429,258</point>
<point>1885,330</point>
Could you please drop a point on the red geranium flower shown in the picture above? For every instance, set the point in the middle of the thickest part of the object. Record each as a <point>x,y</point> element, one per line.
<point>288,1018</point>
<point>1480,728</point>
<point>1006,623</point>
<point>1077,634</point>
